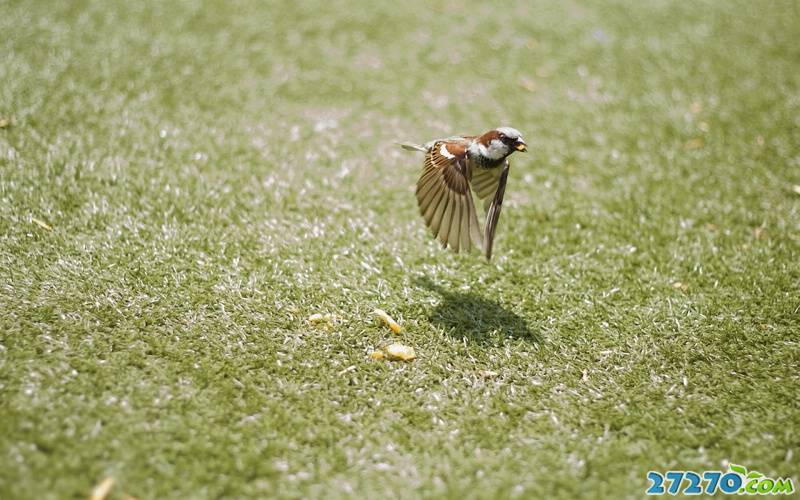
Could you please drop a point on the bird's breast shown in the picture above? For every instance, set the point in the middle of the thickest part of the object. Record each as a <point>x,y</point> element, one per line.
<point>484,163</point>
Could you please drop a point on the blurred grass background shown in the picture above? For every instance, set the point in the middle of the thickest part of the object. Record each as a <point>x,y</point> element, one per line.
<point>183,183</point>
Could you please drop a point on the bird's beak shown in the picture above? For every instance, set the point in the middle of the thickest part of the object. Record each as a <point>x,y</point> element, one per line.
<point>521,146</point>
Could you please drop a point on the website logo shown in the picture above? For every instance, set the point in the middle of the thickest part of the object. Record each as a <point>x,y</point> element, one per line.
<point>735,481</point>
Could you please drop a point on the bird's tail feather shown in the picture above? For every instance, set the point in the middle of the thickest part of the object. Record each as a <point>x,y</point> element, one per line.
<point>408,146</point>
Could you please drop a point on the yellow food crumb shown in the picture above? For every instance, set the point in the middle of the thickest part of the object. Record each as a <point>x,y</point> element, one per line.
<point>101,491</point>
<point>400,352</point>
<point>388,320</point>
<point>42,224</point>
<point>326,321</point>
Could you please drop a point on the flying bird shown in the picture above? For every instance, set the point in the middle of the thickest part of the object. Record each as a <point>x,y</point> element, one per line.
<point>455,167</point>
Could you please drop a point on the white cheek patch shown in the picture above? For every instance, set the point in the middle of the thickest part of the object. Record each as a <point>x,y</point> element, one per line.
<point>444,152</point>
<point>495,151</point>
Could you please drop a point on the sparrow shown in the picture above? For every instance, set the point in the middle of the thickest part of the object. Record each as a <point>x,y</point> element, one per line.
<point>455,167</point>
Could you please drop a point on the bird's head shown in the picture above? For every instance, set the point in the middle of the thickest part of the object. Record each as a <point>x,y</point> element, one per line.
<point>498,143</point>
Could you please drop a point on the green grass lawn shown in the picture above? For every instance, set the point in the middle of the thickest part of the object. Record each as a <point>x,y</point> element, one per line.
<point>182,184</point>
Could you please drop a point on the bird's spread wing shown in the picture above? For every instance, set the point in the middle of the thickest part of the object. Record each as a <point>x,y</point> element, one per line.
<point>444,196</point>
<point>498,186</point>
<point>485,183</point>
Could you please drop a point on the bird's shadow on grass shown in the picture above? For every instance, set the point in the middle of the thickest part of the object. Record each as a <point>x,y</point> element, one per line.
<point>476,318</point>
